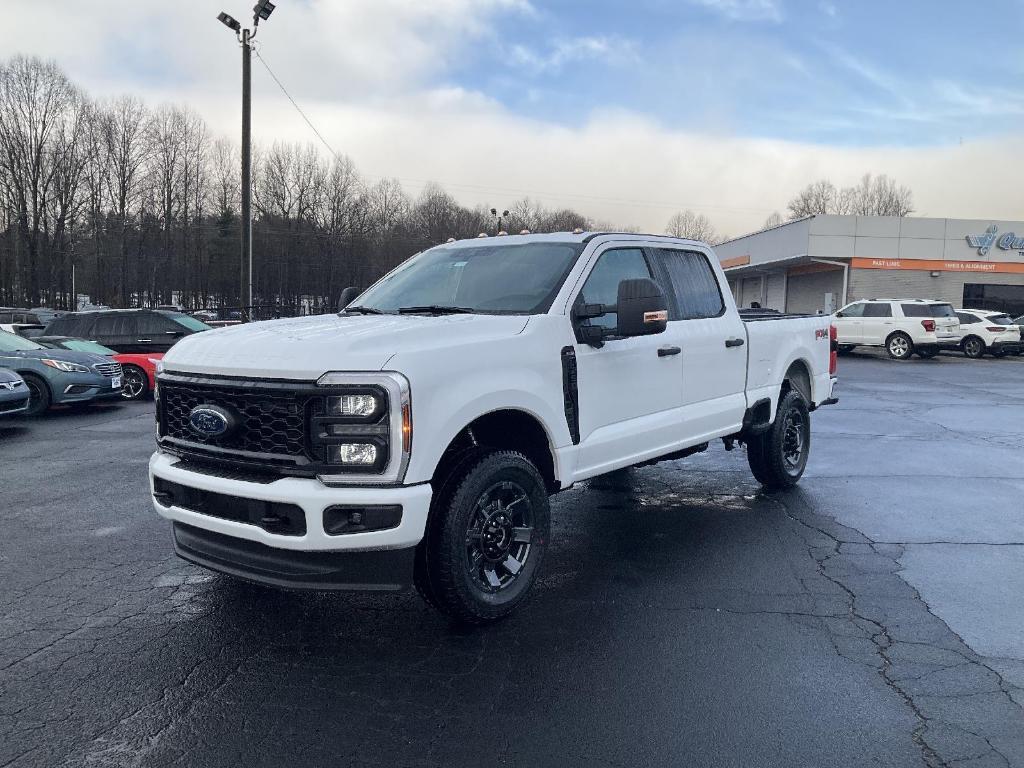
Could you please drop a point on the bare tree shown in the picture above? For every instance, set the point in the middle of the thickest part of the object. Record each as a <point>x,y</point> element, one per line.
<point>693,226</point>
<point>774,220</point>
<point>874,196</point>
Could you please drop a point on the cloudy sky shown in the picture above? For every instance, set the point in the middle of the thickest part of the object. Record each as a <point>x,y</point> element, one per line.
<point>626,111</point>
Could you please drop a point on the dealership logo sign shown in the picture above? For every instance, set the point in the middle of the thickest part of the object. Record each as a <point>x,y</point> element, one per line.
<point>1008,242</point>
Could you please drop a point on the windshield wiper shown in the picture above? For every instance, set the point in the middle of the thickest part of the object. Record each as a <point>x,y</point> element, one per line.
<point>435,309</point>
<point>364,310</point>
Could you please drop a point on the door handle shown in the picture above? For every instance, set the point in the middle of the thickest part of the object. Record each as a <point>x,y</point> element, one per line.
<point>734,342</point>
<point>144,341</point>
<point>668,351</point>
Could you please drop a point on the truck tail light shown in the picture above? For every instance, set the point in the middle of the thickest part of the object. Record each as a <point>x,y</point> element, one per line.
<point>833,355</point>
<point>929,325</point>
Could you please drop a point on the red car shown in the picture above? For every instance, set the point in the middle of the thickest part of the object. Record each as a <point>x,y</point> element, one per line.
<point>139,370</point>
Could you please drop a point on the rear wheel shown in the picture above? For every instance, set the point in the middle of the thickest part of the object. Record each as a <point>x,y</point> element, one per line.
<point>778,456</point>
<point>136,383</point>
<point>39,398</point>
<point>485,539</point>
<point>973,347</point>
<point>899,346</point>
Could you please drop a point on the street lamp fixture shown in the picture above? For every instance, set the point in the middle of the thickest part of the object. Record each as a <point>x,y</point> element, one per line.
<point>262,10</point>
<point>230,22</point>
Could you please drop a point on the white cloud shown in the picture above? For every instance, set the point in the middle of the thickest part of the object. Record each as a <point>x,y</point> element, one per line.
<point>610,50</point>
<point>371,75</point>
<point>745,10</point>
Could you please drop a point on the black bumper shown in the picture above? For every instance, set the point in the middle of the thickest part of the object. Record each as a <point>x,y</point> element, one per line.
<point>384,570</point>
<point>1009,347</point>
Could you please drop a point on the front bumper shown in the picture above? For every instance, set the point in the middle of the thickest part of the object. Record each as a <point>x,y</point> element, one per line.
<point>13,402</point>
<point>309,494</point>
<point>382,570</point>
<point>82,388</point>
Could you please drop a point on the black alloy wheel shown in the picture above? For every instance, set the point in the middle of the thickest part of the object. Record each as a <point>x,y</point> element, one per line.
<point>778,456</point>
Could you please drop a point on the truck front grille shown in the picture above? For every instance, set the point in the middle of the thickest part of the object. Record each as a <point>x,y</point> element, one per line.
<point>268,421</point>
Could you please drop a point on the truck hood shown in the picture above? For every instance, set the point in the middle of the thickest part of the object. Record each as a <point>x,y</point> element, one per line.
<point>307,347</point>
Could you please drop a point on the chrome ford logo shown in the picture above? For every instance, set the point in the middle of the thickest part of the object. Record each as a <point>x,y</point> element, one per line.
<point>210,420</point>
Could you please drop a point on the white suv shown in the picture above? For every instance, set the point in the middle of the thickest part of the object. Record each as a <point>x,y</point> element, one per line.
<point>982,331</point>
<point>902,326</point>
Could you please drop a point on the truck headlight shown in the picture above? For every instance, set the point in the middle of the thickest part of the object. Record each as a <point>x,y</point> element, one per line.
<point>353,454</point>
<point>360,429</point>
<point>361,405</point>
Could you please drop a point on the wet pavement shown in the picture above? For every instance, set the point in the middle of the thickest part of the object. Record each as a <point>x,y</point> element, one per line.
<point>872,616</point>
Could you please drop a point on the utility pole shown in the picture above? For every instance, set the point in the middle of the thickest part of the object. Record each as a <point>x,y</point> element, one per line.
<point>261,10</point>
<point>246,171</point>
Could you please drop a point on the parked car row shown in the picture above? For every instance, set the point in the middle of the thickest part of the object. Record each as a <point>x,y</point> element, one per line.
<point>85,357</point>
<point>905,327</point>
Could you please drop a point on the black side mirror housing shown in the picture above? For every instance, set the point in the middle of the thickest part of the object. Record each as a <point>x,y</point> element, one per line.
<point>642,308</point>
<point>348,296</point>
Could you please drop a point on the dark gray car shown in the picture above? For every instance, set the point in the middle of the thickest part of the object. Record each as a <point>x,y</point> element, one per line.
<point>56,376</point>
<point>13,393</point>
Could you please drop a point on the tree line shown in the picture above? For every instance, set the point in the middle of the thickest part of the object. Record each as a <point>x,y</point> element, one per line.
<point>136,206</point>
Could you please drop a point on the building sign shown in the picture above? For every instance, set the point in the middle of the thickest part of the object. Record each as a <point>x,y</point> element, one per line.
<point>1008,242</point>
<point>735,261</point>
<point>940,265</point>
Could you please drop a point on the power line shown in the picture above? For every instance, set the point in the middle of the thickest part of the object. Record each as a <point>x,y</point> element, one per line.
<point>497,191</point>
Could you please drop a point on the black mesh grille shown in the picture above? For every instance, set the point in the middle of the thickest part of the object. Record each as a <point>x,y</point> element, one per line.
<point>268,421</point>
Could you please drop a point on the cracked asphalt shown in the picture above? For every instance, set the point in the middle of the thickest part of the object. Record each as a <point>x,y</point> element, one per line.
<point>872,616</point>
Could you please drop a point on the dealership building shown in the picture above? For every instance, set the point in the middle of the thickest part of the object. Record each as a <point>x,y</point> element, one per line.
<point>821,263</point>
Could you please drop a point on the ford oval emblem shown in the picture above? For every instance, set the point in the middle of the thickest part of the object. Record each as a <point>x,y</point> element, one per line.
<point>210,420</point>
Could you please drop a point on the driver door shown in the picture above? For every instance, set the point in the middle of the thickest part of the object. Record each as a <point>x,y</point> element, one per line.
<point>630,390</point>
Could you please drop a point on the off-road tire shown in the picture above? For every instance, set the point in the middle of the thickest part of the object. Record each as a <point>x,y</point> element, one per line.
<point>770,453</point>
<point>444,575</point>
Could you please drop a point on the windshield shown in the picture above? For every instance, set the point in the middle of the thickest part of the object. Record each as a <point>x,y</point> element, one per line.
<point>84,345</point>
<point>499,279</point>
<point>189,322</point>
<point>11,343</point>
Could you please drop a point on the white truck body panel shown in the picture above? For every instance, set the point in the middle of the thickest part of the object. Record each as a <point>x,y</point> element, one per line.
<point>634,404</point>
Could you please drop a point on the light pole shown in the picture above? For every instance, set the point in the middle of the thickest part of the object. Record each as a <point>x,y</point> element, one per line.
<point>261,10</point>
<point>499,218</point>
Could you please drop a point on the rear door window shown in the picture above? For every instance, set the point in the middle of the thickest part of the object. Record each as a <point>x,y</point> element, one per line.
<point>878,310</point>
<point>694,285</point>
<point>111,325</point>
<point>966,319</point>
<point>916,310</point>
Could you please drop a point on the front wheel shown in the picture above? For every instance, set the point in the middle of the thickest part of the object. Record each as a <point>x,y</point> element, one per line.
<point>486,538</point>
<point>899,346</point>
<point>136,383</point>
<point>778,456</point>
<point>39,397</point>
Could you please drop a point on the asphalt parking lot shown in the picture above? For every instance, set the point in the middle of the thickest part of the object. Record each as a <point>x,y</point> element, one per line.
<point>872,616</point>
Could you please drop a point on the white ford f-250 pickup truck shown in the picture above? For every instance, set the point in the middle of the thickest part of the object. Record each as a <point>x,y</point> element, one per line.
<point>416,436</point>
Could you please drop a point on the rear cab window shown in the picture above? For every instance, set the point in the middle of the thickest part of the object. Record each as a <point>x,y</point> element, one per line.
<point>695,288</point>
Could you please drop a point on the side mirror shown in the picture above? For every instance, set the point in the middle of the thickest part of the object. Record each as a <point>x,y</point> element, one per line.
<point>642,308</point>
<point>347,297</point>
